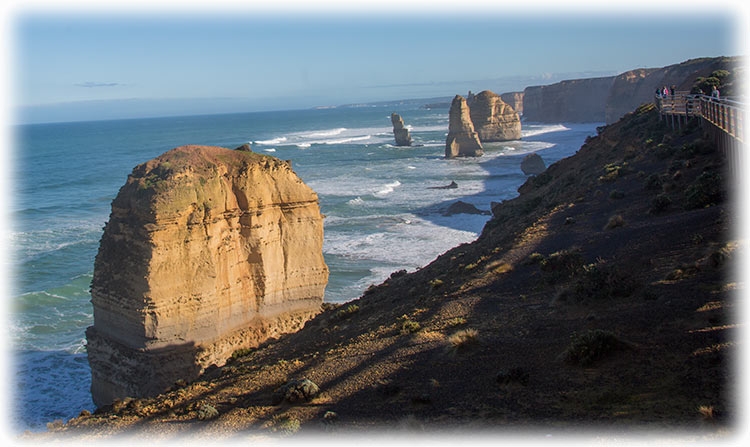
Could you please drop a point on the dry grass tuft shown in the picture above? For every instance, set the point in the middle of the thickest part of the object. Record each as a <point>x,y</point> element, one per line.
<point>707,412</point>
<point>462,341</point>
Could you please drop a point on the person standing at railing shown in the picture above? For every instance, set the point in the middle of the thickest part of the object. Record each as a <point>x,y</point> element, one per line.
<point>671,90</point>
<point>665,91</point>
<point>714,92</point>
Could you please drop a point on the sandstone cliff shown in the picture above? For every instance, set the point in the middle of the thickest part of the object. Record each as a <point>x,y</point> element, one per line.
<point>400,132</point>
<point>573,101</point>
<point>207,250</point>
<point>635,87</point>
<point>493,119</point>
<point>462,140</point>
<point>515,100</point>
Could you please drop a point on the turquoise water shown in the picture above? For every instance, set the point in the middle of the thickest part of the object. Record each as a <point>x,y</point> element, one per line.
<point>381,215</point>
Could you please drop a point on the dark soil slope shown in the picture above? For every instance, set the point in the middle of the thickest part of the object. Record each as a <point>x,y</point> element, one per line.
<point>602,296</point>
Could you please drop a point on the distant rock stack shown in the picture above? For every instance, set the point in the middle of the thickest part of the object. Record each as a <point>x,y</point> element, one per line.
<point>207,250</point>
<point>533,164</point>
<point>493,119</point>
<point>462,140</point>
<point>400,132</point>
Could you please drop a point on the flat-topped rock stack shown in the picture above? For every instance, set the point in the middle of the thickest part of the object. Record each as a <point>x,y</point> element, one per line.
<point>493,119</point>
<point>207,250</point>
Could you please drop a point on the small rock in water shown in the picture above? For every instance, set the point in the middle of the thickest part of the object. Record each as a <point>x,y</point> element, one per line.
<point>245,147</point>
<point>460,207</point>
<point>533,164</point>
<point>453,185</point>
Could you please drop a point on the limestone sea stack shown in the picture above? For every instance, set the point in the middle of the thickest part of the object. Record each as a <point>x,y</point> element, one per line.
<point>207,250</point>
<point>493,119</point>
<point>533,164</point>
<point>462,140</point>
<point>400,132</point>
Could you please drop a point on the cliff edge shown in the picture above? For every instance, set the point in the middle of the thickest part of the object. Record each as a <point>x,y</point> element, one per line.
<point>207,250</point>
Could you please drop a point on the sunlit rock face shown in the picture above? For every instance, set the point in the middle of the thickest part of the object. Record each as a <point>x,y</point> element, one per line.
<point>493,119</point>
<point>400,132</point>
<point>207,250</point>
<point>462,140</point>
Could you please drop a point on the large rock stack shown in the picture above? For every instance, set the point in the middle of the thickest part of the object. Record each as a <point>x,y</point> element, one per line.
<point>493,119</point>
<point>400,132</point>
<point>207,250</point>
<point>462,140</point>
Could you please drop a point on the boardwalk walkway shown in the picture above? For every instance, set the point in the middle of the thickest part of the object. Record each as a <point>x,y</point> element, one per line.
<point>722,119</point>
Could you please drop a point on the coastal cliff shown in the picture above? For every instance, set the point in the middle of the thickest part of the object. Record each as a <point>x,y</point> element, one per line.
<point>578,100</point>
<point>635,87</point>
<point>493,119</point>
<point>579,304</point>
<point>207,250</point>
<point>462,139</point>
<point>608,99</point>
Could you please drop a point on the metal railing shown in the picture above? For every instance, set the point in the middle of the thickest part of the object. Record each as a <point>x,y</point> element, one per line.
<point>726,114</point>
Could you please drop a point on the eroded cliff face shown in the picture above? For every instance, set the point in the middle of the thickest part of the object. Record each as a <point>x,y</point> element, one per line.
<point>515,100</point>
<point>462,140</point>
<point>574,101</point>
<point>493,119</point>
<point>207,250</point>
<point>635,87</point>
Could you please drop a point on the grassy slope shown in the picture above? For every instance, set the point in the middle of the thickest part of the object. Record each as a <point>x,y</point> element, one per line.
<point>660,284</point>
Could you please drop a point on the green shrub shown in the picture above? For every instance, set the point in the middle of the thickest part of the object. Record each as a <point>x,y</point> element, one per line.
<point>616,194</point>
<point>534,258</point>
<point>241,352</point>
<point>347,311</point>
<point>435,283</point>
<point>206,412</point>
<point>614,222</point>
<point>598,282</point>
<point>590,346</point>
<point>560,265</point>
<point>664,151</point>
<point>659,204</point>
<point>410,327</point>
<point>458,321</point>
<point>653,182</point>
<point>707,190</point>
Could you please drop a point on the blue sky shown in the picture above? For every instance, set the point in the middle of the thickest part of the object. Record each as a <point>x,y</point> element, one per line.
<point>86,66</point>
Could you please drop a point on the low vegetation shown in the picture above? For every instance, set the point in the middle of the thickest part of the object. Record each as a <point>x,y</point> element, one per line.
<point>590,346</point>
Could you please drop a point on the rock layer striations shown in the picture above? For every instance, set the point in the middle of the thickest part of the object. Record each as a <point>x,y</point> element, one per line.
<point>493,119</point>
<point>207,250</point>
<point>400,132</point>
<point>462,140</point>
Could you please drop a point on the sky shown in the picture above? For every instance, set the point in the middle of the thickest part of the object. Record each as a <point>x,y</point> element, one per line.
<point>80,65</point>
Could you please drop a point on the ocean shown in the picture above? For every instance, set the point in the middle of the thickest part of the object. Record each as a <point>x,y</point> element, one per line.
<point>381,213</point>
